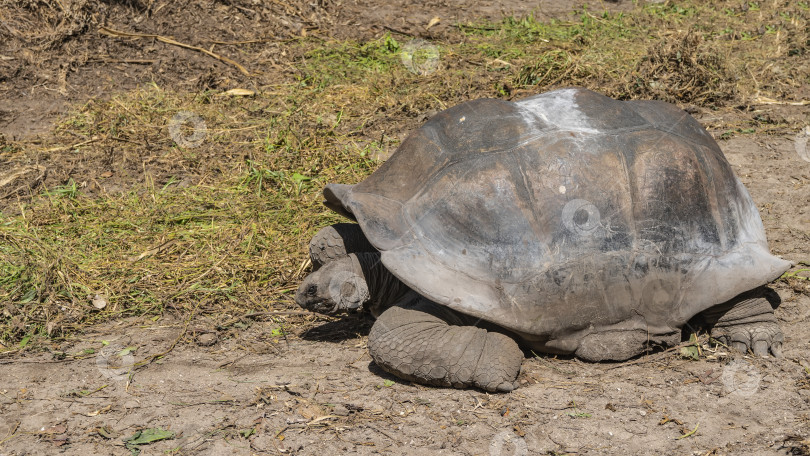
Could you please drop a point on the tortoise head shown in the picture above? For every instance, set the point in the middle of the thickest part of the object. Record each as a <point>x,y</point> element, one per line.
<point>334,288</point>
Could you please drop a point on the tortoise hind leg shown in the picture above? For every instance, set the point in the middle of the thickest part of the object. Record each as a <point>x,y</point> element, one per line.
<point>427,343</point>
<point>623,341</point>
<point>747,322</point>
<point>337,241</point>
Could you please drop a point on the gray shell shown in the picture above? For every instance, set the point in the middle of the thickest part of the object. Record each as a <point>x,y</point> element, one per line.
<point>564,211</point>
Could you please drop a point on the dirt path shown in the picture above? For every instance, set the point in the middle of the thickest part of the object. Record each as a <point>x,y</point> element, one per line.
<point>315,397</point>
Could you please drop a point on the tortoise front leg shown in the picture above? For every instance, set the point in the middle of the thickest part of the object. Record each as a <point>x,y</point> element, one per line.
<point>747,323</point>
<point>426,343</point>
<point>337,241</point>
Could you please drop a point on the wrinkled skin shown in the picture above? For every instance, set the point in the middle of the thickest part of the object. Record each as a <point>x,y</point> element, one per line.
<point>337,241</point>
<point>747,323</point>
<point>413,338</point>
<point>421,341</point>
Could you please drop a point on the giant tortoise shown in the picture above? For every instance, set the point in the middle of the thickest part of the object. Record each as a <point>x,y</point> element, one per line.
<point>566,223</point>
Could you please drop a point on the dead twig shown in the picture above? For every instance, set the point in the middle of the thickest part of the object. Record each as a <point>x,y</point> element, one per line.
<point>167,40</point>
<point>132,61</point>
<point>760,100</point>
<point>83,143</point>
<point>652,357</point>
<point>11,433</point>
<point>161,248</point>
<point>392,29</point>
<point>236,43</point>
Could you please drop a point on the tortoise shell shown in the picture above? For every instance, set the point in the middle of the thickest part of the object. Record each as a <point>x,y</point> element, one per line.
<point>563,211</point>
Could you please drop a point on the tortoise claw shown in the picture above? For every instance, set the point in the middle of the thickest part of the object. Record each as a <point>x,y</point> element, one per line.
<point>748,324</point>
<point>760,348</point>
<point>776,349</point>
<point>763,339</point>
<point>739,346</point>
<point>506,387</point>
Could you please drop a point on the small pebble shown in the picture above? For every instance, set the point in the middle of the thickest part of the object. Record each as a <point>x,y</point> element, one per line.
<point>207,339</point>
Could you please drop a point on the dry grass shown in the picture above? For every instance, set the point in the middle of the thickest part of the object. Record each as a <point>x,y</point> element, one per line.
<point>682,68</point>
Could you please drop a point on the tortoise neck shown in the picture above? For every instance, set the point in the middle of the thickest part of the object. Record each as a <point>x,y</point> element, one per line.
<point>384,288</point>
